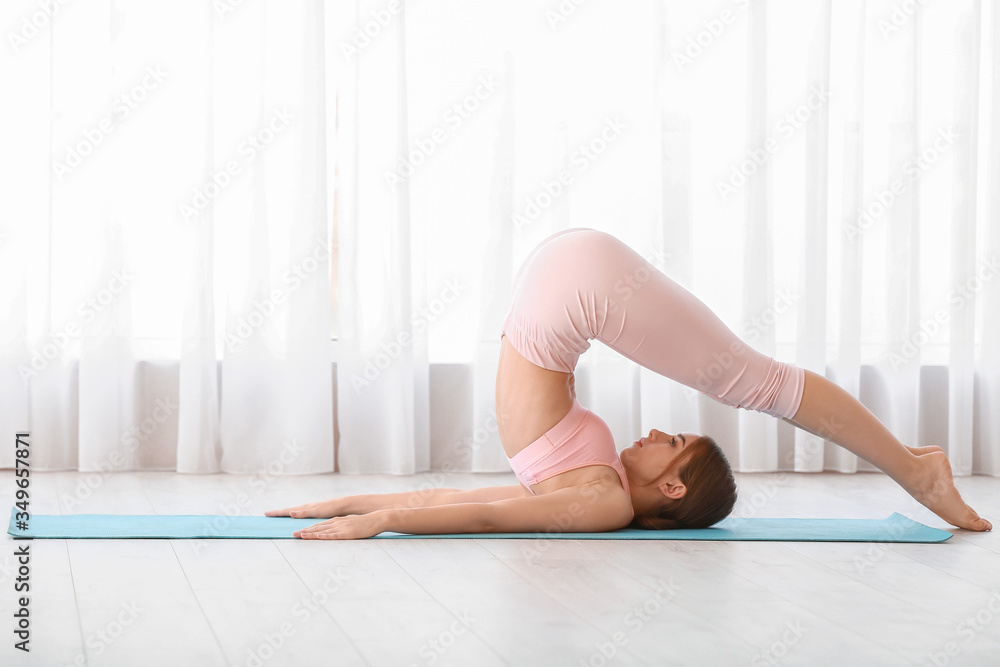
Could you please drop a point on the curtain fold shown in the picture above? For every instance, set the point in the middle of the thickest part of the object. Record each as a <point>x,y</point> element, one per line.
<point>855,172</point>
<point>758,432</point>
<point>481,450</point>
<point>382,366</point>
<point>964,179</point>
<point>986,431</point>
<point>804,453</point>
<point>185,181</point>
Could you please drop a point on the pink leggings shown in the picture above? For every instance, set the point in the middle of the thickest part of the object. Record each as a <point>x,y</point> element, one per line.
<point>581,284</point>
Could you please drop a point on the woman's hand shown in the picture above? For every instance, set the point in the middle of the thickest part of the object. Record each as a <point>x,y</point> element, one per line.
<point>353,527</point>
<point>322,510</point>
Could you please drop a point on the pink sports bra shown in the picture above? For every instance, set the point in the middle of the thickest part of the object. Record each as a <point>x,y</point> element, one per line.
<point>581,438</point>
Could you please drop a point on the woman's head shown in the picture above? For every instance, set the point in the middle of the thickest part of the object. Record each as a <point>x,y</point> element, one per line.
<point>680,480</point>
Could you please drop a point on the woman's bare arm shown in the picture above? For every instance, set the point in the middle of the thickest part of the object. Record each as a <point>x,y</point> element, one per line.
<point>432,497</point>
<point>582,509</point>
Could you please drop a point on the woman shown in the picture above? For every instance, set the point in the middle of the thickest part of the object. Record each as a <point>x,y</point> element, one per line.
<point>582,284</point>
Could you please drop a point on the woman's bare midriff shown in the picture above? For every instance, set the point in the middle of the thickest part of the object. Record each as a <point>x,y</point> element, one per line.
<point>530,400</point>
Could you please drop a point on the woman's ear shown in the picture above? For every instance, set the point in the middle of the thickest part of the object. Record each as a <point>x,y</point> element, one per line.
<point>672,487</point>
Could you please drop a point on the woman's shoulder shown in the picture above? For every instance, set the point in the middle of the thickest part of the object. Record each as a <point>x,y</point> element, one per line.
<point>604,494</point>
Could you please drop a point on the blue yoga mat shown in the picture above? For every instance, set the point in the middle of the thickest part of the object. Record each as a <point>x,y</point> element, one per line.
<point>896,528</point>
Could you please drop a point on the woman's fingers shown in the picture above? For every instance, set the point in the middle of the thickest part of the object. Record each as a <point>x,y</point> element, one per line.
<point>299,511</point>
<point>309,512</point>
<point>313,528</point>
<point>318,530</point>
<point>284,512</point>
<point>341,528</point>
<point>321,510</point>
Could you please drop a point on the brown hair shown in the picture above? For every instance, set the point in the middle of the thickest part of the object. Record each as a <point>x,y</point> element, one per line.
<point>711,490</point>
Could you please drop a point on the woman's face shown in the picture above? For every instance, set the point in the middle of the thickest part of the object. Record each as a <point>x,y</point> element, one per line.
<point>648,457</point>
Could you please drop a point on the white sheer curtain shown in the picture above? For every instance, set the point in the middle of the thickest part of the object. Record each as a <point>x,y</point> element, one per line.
<point>823,175</point>
<point>165,219</point>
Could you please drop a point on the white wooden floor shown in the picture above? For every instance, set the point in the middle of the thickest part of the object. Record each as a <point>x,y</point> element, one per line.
<point>496,602</point>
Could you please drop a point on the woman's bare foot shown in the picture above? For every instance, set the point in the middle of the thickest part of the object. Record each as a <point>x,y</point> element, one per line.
<point>934,487</point>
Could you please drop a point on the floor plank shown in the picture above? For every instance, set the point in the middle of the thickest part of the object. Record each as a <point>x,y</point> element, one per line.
<point>128,591</point>
<point>641,615</point>
<point>521,623</point>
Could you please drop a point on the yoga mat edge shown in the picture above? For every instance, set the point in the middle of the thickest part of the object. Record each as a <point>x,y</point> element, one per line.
<point>895,528</point>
